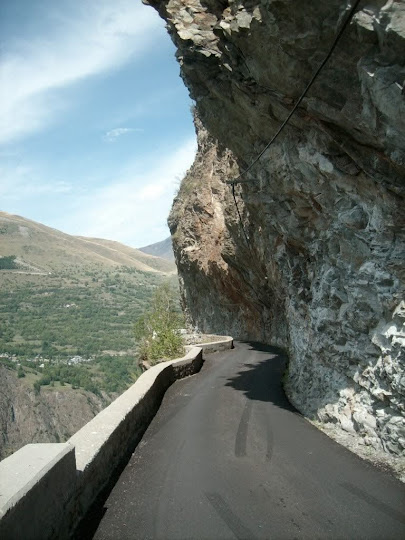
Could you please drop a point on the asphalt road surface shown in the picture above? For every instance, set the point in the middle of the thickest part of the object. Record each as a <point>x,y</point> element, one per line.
<point>228,457</point>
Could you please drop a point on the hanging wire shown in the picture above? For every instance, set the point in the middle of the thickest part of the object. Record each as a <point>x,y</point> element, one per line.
<point>240,217</point>
<point>238,179</point>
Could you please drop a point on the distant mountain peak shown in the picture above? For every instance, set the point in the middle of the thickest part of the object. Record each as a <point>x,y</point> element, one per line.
<point>161,249</point>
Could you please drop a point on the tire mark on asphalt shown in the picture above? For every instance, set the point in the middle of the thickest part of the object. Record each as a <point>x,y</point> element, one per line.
<point>241,435</point>
<point>394,514</point>
<point>230,518</point>
<point>167,489</point>
<point>269,432</point>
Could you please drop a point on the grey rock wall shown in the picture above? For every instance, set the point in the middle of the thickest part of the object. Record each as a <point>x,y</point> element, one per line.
<point>50,417</point>
<point>323,271</point>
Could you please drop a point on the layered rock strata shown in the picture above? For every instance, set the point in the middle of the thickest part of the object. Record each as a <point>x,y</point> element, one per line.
<point>51,416</point>
<point>319,266</point>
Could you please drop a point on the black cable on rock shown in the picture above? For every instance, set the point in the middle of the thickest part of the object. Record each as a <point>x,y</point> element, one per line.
<point>240,217</point>
<point>239,180</point>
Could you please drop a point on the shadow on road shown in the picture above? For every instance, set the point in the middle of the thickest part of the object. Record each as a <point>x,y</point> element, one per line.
<point>262,380</point>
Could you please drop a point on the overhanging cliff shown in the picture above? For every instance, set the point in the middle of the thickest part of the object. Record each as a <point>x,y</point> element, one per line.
<point>321,269</point>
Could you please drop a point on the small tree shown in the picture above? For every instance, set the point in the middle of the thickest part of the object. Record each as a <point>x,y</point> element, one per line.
<point>8,262</point>
<point>157,330</point>
<point>20,372</point>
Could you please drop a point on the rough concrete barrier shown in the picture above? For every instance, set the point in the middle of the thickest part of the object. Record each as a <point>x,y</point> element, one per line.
<point>223,343</point>
<point>46,489</point>
<point>37,483</point>
<point>111,436</point>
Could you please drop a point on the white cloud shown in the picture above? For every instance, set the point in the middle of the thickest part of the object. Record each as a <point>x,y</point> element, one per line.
<point>133,208</point>
<point>152,192</point>
<point>24,182</point>
<point>114,134</point>
<point>96,38</point>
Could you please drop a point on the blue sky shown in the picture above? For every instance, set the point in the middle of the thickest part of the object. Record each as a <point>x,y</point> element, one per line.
<point>95,123</point>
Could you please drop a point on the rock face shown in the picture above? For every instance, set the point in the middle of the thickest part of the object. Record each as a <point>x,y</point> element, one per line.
<point>318,268</point>
<point>52,416</point>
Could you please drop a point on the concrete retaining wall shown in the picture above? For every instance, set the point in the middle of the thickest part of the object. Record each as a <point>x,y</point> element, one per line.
<point>37,484</point>
<point>222,344</point>
<point>113,434</point>
<point>45,489</point>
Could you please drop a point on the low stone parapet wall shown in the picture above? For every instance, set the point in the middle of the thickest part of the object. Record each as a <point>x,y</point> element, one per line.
<point>37,484</point>
<point>46,489</point>
<point>112,435</point>
<point>223,343</point>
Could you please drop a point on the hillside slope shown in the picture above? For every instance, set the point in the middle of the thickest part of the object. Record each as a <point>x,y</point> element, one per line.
<point>67,311</point>
<point>44,249</point>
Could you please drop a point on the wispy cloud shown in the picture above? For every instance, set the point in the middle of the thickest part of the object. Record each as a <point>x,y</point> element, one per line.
<point>23,182</point>
<point>133,208</point>
<point>114,134</point>
<point>96,37</point>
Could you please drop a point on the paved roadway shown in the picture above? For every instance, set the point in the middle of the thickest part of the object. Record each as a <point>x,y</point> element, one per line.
<point>228,457</point>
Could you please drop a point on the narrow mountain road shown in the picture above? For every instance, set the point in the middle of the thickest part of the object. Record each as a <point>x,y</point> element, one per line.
<point>228,457</point>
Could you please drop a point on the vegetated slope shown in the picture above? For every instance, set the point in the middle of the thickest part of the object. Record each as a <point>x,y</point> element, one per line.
<point>43,249</point>
<point>71,295</point>
<point>67,314</point>
<point>312,257</point>
<point>162,249</point>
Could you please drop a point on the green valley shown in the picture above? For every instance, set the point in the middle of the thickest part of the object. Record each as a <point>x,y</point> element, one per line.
<point>68,306</point>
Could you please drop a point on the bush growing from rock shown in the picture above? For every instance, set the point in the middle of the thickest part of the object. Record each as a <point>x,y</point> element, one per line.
<point>157,330</point>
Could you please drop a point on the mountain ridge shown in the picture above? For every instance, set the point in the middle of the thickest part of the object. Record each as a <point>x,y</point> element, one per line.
<point>18,234</point>
<point>163,249</point>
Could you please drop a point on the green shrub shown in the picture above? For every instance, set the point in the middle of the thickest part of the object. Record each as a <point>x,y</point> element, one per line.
<point>20,373</point>
<point>8,262</point>
<point>157,331</point>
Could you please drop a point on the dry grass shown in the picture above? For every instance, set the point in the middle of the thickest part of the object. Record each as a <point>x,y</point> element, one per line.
<point>40,250</point>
